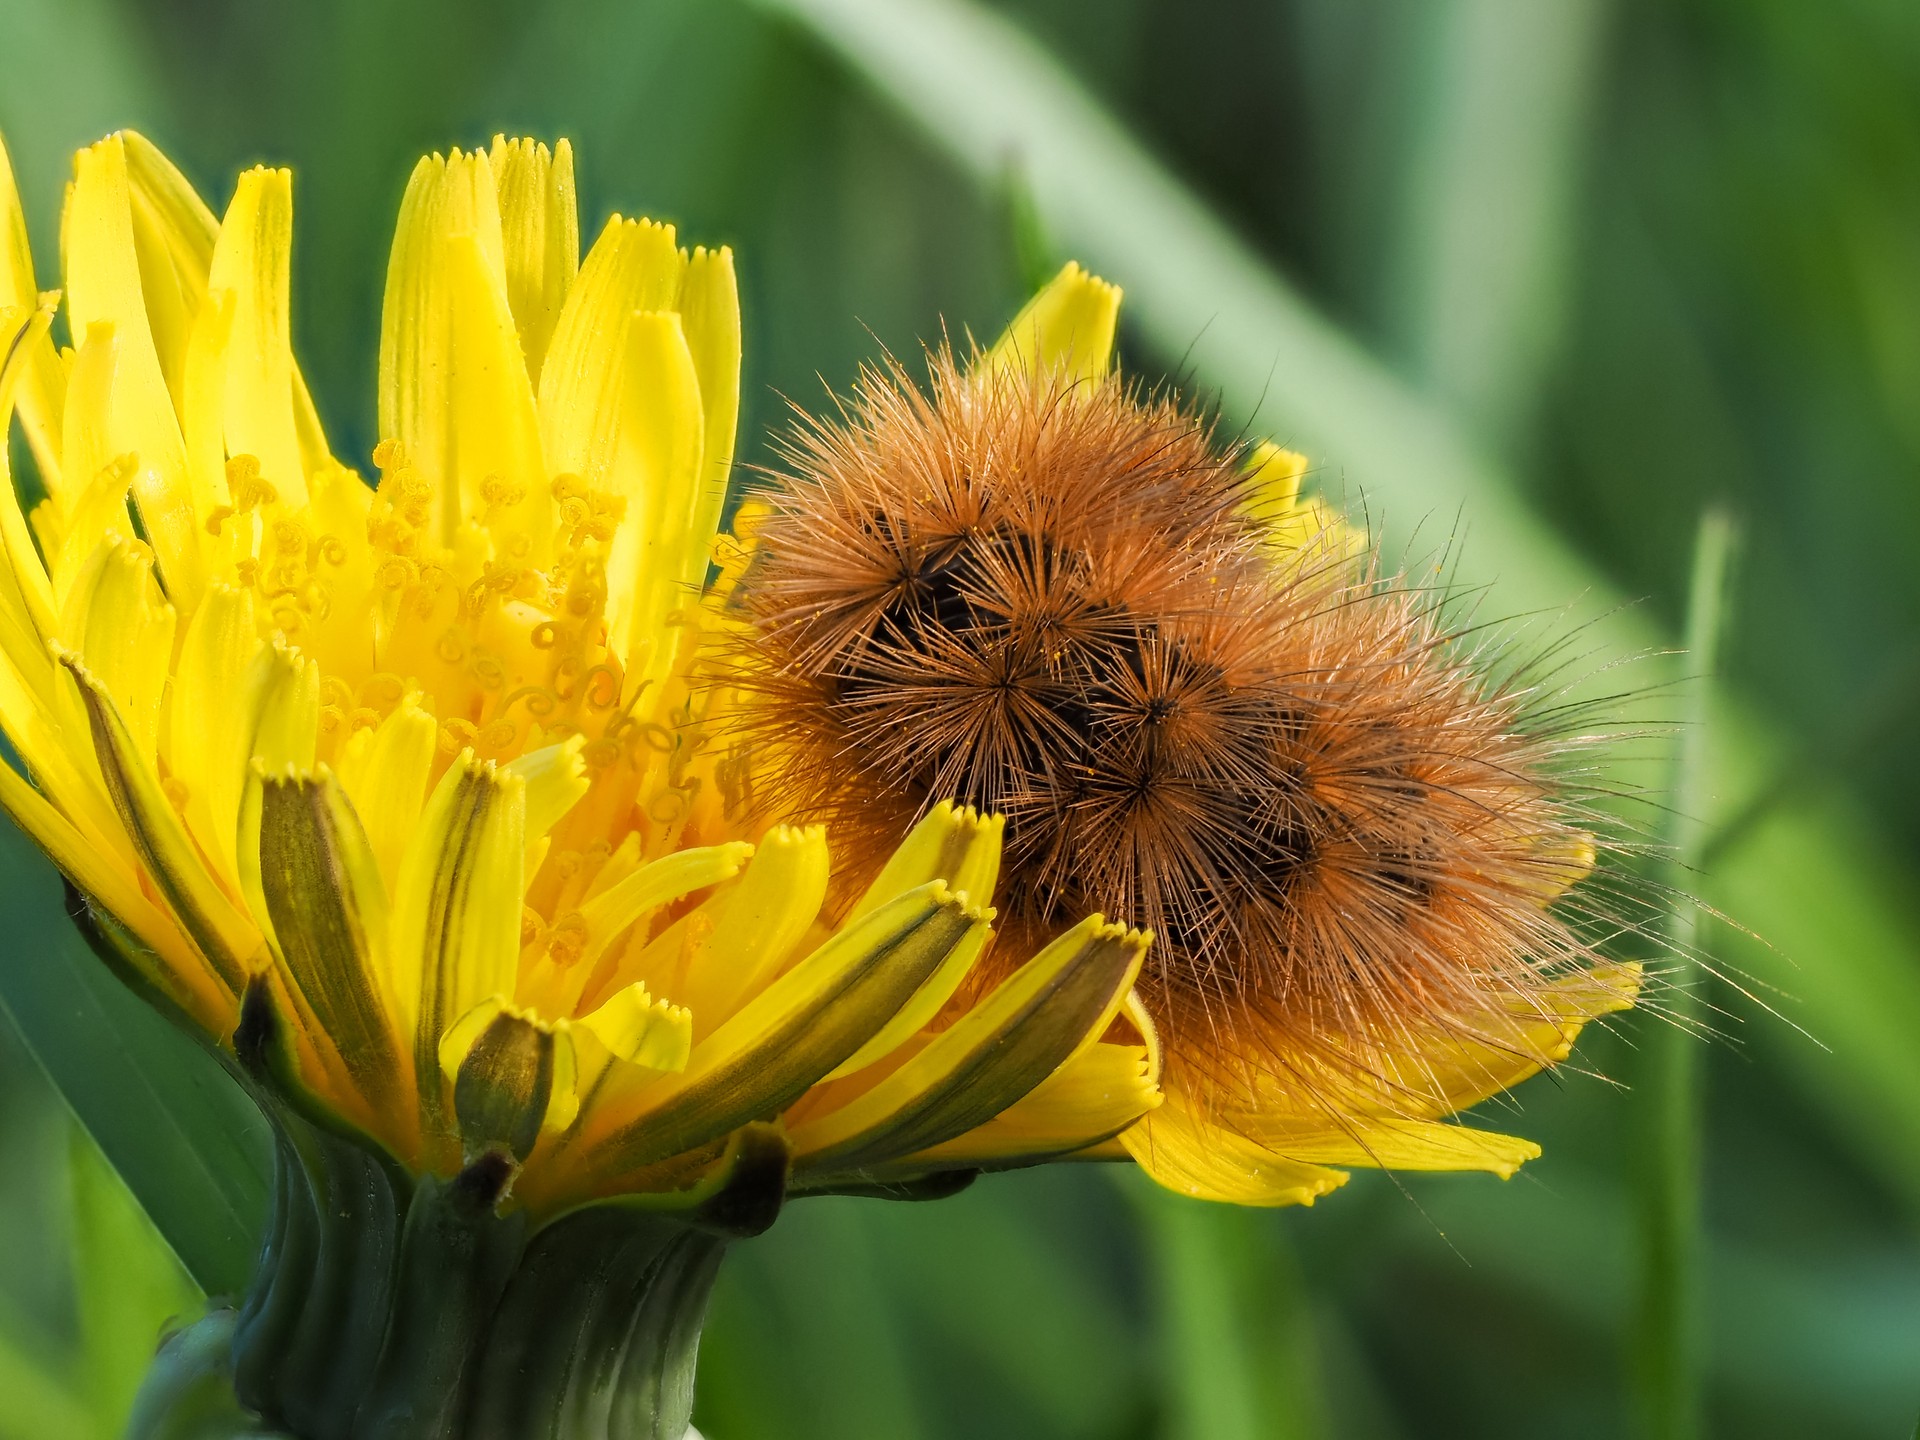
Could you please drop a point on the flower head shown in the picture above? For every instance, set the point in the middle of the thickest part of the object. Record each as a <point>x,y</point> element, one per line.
<point>1203,711</point>
<point>407,792</point>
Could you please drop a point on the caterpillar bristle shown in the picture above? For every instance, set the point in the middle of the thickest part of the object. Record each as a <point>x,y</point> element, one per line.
<point>1064,601</point>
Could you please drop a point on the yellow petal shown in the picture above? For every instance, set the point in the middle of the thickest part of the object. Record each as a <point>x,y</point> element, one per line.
<point>1561,864</point>
<point>1093,1097</point>
<point>513,1076</point>
<point>710,310</point>
<point>105,286</point>
<point>209,729</point>
<point>460,1035</point>
<point>758,923</point>
<point>252,264</point>
<point>638,1029</point>
<point>98,506</point>
<point>556,778</point>
<point>175,233</point>
<point>1273,481</point>
<point>785,1039</point>
<point>1403,1145</point>
<point>51,735</point>
<point>1316,530</point>
<point>657,467</point>
<point>960,846</point>
<point>25,572</point>
<point>1036,1020</point>
<point>1209,1163</point>
<point>203,402</point>
<point>178,234</point>
<point>1067,327</point>
<point>1432,1076</point>
<point>122,627</point>
<point>954,843</point>
<point>924,1004</point>
<point>657,883</point>
<point>540,233</point>
<point>492,434</point>
<point>447,196</point>
<point>225,936</point>
<point>1506,1046</point>
<point>342,639</point>
<point>176,967</point>
<point>456,910</point>
<point>316,893</point>
<point>43,384</point>
<point>282,696</point>
<point>385,771</point>
<point>632,266</point>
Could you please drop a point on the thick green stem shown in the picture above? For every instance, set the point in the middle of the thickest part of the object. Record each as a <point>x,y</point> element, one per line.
<point>391,1306</point>
<point>388,1308</point>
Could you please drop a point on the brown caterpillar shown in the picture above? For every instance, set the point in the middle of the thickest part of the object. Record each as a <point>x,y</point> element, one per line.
<point>1065,600</point>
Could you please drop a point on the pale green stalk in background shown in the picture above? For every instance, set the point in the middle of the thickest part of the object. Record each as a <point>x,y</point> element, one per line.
<point>1667,1342</point>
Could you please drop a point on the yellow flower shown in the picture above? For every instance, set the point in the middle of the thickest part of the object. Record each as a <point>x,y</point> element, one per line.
<point>406,793</point>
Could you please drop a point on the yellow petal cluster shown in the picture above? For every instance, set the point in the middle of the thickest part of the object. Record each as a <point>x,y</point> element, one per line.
<point>421,765</point>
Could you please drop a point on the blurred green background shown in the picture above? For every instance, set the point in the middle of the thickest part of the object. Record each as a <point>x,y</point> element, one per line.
<point>1551,275</point>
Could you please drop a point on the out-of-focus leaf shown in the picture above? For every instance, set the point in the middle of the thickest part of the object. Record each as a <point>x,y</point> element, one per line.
<point>1007,1282</point>
<point>804,1341</point>
<point>1493,166</point>
<point>983,91</point>
<point>1832,1335</point>
<point>1237,1352</point>
<point>88,74</point>
<point>188,1142</point>
<point>128,1284</point>
<point>38,1401</point>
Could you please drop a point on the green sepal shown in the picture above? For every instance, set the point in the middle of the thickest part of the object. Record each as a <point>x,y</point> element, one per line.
<point>598,1334</point>
<point>939,1185</point>
<point>303,1349</point>
<point>738,1198</point>
<point>375,1287</point>
<point>599,1330</point>
<point>389,1306</point>
<point>311,1332</point>
<point>456,1259</point>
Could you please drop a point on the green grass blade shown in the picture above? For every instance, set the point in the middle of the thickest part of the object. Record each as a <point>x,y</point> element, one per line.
<point>1840,941</point>
<point>1667,1341</point>
<point>128,1284</point>
<point>189,1144</point>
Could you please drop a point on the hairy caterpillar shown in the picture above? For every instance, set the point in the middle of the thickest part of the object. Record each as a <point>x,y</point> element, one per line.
<point>1201,709</point>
